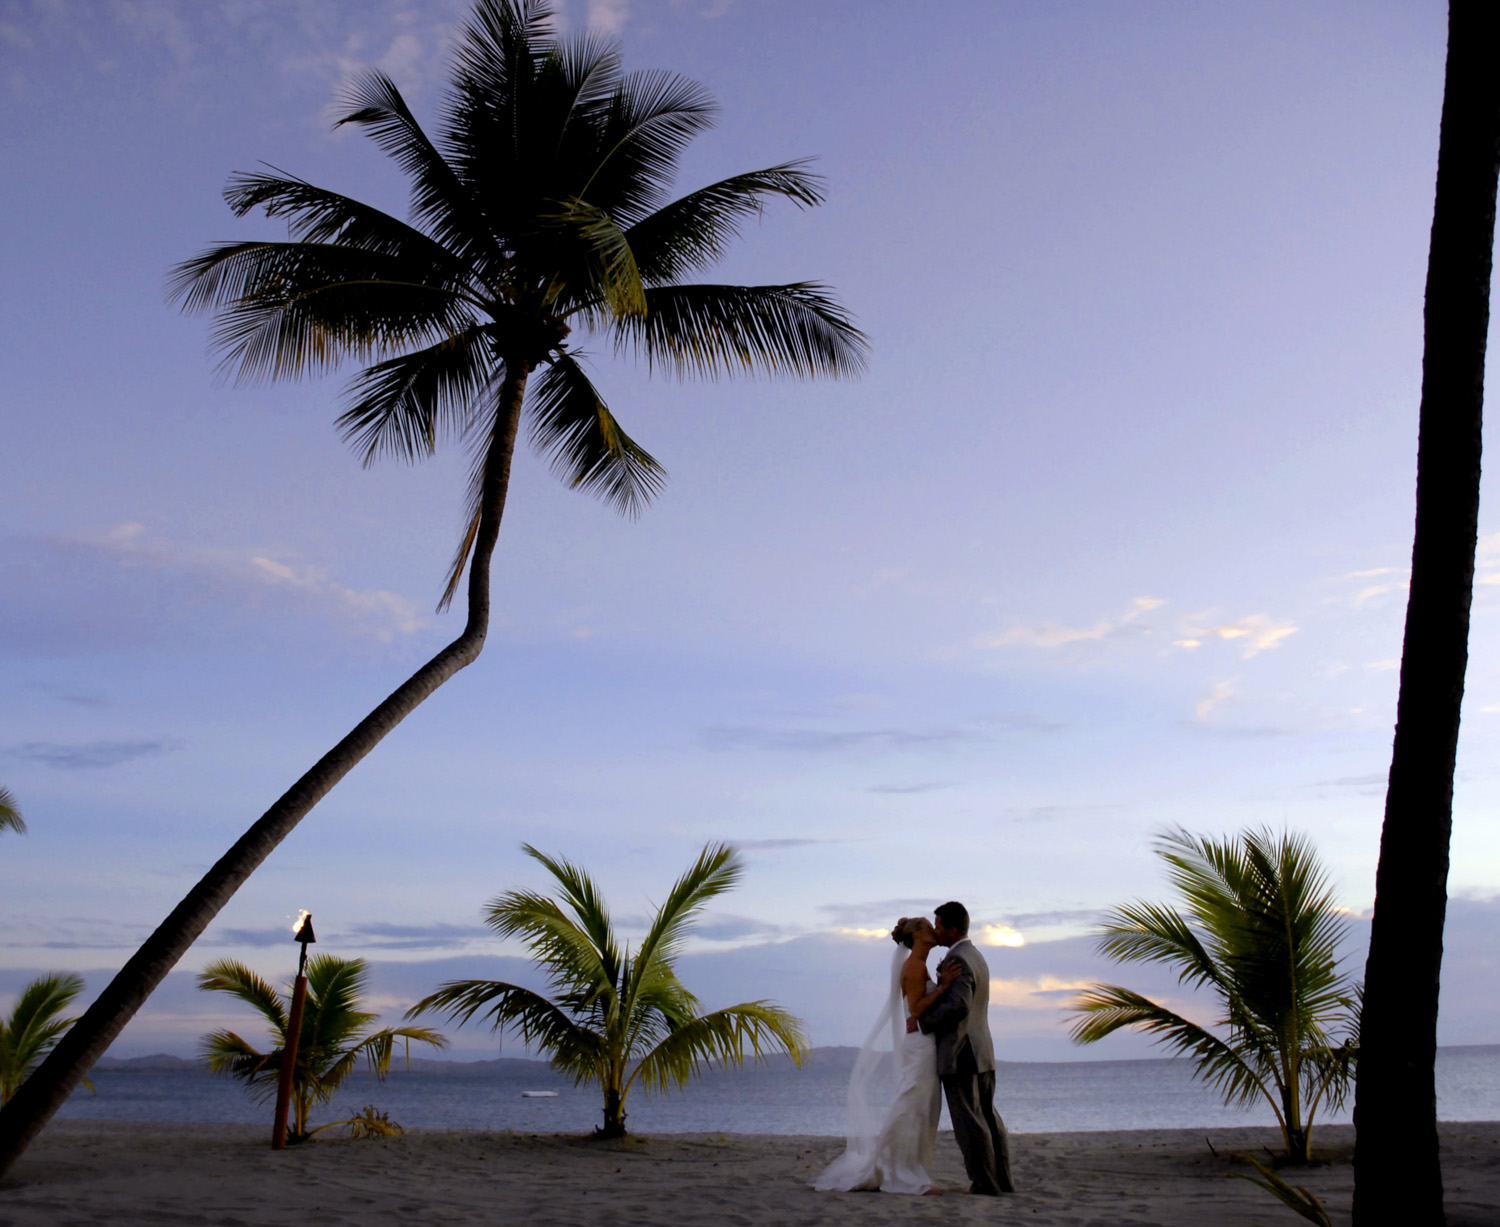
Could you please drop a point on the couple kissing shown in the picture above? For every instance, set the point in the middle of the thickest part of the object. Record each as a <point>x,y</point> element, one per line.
<point>939,1033</point>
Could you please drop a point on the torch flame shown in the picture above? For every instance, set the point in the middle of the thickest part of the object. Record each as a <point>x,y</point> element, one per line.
<point>301,916</point>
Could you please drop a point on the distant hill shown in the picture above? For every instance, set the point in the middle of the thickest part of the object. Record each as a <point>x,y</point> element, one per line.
<point>155,1063</point>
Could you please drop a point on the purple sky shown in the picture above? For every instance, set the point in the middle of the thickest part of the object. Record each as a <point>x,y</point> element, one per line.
<point>1112,535</point>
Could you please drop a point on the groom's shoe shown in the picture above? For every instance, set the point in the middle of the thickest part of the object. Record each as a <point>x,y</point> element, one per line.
<point>990,1191</point>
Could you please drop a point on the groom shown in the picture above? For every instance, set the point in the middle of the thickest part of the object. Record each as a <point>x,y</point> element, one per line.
<point>966,1057</point>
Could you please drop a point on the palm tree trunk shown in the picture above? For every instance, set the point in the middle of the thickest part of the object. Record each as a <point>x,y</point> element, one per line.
<point>49,1086</point>
<point>1397,1177</point>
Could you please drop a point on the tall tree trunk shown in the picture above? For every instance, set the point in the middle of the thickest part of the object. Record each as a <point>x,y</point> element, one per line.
<point>85,1042</point>
<point>1397,1178</point>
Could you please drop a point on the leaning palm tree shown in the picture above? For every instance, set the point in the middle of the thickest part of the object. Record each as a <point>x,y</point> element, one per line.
<point>10,813</point>
<point>332,1040</point>
<point>615,1017</point>
<point>1260,932</point>
<point>540,212</point>
<point>34,1028</point>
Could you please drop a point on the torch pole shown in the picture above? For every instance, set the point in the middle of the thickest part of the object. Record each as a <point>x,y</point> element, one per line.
<point>289,1048</point>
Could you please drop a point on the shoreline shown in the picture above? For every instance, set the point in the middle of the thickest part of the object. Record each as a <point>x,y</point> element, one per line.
<point>91,1173</point>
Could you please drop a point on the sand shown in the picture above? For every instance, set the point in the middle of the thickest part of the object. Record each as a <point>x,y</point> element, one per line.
<point>87,1174</point>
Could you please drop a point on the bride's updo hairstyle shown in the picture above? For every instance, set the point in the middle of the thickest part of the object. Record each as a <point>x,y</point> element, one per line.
<point>904,931</point>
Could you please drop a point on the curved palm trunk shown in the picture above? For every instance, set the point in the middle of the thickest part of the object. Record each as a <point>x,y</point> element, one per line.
<point>44,1092</point>
<point>1397,1177</point>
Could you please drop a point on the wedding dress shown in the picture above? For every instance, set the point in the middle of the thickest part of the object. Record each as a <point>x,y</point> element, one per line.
<point>890,1150</point>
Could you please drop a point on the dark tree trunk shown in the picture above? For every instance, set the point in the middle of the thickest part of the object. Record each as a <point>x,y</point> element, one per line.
<point>85,1042</point>
<point>1397,1178</point>
<point>614,1116</point>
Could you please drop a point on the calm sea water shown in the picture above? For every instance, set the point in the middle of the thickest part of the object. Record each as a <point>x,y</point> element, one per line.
<point>1033,1097</point>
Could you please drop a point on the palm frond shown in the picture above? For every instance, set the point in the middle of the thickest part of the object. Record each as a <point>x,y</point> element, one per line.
<point>694,231</point>
<point>1294,1197</point>
<point>286,310</point>
<point>590,912</point>
<point>538,1022</point>
<point>233,977</point>
<point>1150,933</point>
<point>721,1037</point>
<point>439,198</point>
<point>647,124</point>
<point>317,215</point>
<point>10,813</point>
<point>708,330</point>
<point>1106,1008</point>
<point>402,406</point>
<point>596,245</point>
<point>225,1052</point>
<point>573,426</point>
<point>718,869</point>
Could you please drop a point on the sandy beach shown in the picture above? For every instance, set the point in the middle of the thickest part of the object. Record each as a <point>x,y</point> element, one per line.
<point>82,1174</point>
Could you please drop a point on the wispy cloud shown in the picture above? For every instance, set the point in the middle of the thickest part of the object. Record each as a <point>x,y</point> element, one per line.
<point>908,789</point>
<point>772,845</point>
<point>1352,781</point>
<point>1258,632</point>
<point>1220,694</point>
<point>608,16</point>
<point>830,741</point>
<point>235,573</point>
<point>373,935</point>
<point>1055,635</point>
<point>89,755</point>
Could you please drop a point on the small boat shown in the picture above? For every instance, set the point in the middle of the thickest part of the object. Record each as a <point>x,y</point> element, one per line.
<point>538,1094</point>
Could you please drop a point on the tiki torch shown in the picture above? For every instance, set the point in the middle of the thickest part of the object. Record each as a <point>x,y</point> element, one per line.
<point>303,932</point>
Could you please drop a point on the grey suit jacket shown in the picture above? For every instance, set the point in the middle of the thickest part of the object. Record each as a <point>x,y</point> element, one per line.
<point>960,1018</point>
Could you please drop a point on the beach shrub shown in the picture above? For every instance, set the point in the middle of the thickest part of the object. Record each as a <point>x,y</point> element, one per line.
<point>1258,931</point>
<point>614,1017</point>
<point>334,1037</point>
<point>34,1027</point>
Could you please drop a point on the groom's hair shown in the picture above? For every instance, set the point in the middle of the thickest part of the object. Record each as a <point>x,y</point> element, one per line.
<point>954,915</point>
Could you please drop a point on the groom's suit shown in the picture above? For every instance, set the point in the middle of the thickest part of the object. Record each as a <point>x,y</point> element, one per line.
<point>960,1019</point>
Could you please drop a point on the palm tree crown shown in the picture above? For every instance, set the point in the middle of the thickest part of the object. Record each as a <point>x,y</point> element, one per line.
<point>1260,933</point>
<point>541,207</point>
<point>335,1034</point>
<point>614,1016</point>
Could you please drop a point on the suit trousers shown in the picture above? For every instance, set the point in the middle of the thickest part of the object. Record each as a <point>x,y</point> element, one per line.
<point>977,1127</point>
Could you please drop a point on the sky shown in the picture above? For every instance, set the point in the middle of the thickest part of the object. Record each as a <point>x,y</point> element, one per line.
<point>1111,536</point>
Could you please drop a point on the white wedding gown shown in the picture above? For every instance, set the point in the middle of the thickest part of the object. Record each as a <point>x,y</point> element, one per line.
<point>897,1157</point>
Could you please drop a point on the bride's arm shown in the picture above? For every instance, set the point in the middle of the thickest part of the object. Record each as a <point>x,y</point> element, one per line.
<point>913,982</point>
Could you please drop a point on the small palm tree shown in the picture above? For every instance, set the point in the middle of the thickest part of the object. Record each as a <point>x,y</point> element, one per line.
<point>334,1035</point>
<point>10,814</point>
<point>615,1017</point>
<point>34,1027</point>
<point>1261,933</point>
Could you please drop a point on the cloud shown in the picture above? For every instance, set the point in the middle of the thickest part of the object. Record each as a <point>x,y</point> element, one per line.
<point>908,789</point>
<point>875,912</point>
<point>1260,634</point>
<point>1353,781</point>
<point>373,935</point>
<point>88,755</point>
<point>771,845</point>
<point>235,574</point>
<point>1001,935</point>
<point>608,16</point>
<point>1052,635</point>
<point>1221,693</point>
<point>818,741</point>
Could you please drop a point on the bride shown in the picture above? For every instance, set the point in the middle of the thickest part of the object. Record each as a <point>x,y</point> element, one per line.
<point>892,1150</point>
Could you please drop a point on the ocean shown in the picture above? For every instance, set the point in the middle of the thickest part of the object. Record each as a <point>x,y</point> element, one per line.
<point>1033,1097</point>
